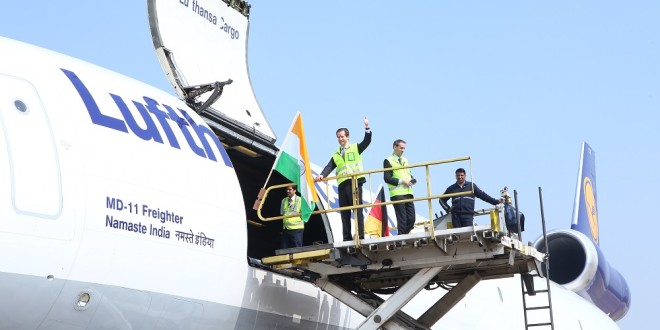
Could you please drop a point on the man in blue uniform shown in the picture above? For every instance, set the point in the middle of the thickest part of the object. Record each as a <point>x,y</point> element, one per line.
<point>462,207</point>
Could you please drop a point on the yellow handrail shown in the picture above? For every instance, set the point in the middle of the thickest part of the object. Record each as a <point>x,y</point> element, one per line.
<point>356,204</point>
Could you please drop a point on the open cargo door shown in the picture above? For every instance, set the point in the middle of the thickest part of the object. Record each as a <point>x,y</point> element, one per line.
<point>202,47</point>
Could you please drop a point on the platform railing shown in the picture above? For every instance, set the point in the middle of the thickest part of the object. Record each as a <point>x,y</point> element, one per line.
<point>357,206</point>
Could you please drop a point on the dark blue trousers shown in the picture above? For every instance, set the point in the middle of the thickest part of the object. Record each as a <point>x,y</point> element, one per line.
<point>462,220</point>
<point>292,238</point>
<point>405,214</point>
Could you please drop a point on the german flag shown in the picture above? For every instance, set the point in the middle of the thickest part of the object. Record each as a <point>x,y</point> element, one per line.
<point>376,224</point>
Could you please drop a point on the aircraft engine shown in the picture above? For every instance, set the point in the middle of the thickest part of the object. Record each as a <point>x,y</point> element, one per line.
<point>578,264</point>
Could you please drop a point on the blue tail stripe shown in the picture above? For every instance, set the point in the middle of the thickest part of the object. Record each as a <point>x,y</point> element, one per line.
<point>587,211</point>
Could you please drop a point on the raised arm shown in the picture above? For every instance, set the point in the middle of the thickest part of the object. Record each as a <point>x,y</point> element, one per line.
<point>367,136</point>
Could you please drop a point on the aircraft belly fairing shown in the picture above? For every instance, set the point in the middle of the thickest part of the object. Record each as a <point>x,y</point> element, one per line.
<point>114,307</point>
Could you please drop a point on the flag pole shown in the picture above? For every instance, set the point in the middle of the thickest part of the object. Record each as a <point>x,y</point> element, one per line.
<point>262,191</point>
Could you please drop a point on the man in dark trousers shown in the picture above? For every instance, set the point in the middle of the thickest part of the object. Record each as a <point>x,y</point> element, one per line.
<point>293,227</point>
<point>462,207</point>
<point>400,181</point>
<point>347,159</point>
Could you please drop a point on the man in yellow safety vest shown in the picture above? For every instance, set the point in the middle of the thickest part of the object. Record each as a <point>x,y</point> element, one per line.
<point>347,159</point>
<point>292,235</point>
<point>400,181</point>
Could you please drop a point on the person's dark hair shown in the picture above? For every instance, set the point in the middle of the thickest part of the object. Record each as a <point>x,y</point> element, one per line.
<point>345,131</point>
<point>396,142</point>
<point>295,187</point>
<point>460,170</point>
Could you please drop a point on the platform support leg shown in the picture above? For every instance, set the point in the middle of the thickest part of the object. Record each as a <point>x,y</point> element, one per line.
<point>449,300</point>
<point>400,298</point>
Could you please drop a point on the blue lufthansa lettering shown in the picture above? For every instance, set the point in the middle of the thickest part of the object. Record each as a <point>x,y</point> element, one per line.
<point>162,118</point>
<point>183,125</point>
<point>151,132</point>
<point>92,108</point>
<point>148,133</point>
<point>201,131</point>
<point>204,13</point>
<point>233,33</point>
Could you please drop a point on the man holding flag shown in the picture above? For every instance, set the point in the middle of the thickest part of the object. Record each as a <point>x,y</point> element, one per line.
<point>293,226</point>
<point>293,163</point>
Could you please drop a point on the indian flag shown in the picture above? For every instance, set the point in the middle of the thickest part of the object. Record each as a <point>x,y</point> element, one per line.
<point>293,163</point>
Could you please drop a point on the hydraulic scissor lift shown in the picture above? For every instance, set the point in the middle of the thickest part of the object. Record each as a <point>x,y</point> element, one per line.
<point>404,265</point>
<point>360,272</point>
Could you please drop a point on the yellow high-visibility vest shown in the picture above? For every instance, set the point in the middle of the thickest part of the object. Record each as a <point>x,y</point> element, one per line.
<point>399,173</point>
<point>292,207</point>
<point>350,163</point>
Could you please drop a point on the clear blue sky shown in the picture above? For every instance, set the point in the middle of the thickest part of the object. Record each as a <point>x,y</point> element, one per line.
<point>516,85</point>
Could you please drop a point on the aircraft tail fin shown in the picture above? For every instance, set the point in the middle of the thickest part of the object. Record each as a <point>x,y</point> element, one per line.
<point>577,261</point>
<point>585,210</point>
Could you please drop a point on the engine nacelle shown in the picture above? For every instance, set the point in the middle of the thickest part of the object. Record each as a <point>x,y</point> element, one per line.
<point>580,266</point>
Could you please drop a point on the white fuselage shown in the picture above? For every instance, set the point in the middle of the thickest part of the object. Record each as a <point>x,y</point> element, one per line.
<point>120,209</point>
<point>140,209</point>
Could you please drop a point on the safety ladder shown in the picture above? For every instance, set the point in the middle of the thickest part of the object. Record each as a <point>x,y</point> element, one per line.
<point>527,285</point>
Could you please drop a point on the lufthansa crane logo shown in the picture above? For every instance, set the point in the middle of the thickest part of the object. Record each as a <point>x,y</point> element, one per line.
<point>592,211</point>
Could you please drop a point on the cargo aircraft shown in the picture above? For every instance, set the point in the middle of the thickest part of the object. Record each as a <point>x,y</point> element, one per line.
<point>126,207</point>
